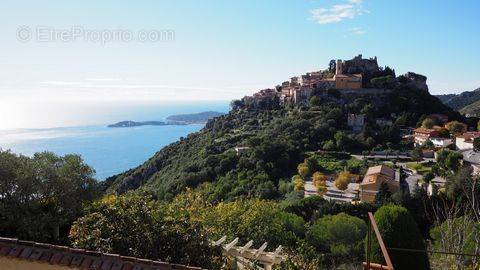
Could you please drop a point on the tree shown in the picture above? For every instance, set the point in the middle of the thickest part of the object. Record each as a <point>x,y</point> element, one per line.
<point>319,179</point>
<point>456,235</point>
<point>448,161</point>
<point>476,144</point>
<point>136,225</point>
<point>428,177</point>
<point>342,180</point>
<point>285,187</point>
<point>339,236</point>
<point>41,196</point>
<point>322,189</point>
<point>399,230</point>
<point>341,140</point>
<point>428,123</point>
<point>329,145</point>
<point>383,195</point>
<point>253,219</point>
<point>315,101</point>
<point>303,170</point>
<point>312,164</point>
<point>298,182</point>
<point>456,127</point>
<point>443,133</point>
<point>416,154</point>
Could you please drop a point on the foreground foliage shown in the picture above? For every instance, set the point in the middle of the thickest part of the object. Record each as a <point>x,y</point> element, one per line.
<point>136,225</point>
<point>41,196</point>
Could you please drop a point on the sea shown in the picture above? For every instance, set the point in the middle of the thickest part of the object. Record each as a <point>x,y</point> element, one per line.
<point>109,150</point>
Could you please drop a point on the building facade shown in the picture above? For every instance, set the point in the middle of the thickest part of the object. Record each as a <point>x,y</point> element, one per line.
<point>421,135</point>
<point>374,178</point>
<point>465,141</point>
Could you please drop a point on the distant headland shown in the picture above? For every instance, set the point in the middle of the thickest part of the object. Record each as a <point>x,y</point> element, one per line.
<point>179,119</point>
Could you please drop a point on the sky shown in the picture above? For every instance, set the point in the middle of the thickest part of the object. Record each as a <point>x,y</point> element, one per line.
<point>57,53</point>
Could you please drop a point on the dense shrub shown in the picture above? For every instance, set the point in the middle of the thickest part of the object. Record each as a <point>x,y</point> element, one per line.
<point>399,230</point>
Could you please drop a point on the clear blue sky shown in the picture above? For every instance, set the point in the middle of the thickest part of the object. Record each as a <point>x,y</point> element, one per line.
<point>226,49</point>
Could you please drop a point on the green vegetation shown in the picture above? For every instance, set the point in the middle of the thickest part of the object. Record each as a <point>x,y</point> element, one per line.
<point>340,236</point>
<point>278,138</point>
<point>421,168</point>
<point>447,162</point>
<point>199,188</point>
<point>41,196</point>
<point>136,225</point>
<point>399,230</point>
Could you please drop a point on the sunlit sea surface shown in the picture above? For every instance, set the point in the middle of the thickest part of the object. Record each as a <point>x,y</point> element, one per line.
<point>108,150</point>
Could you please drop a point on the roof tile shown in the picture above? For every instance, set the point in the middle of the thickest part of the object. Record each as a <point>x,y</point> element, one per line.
<point>36,254</point>
<point>127,266</point>
<point>46,255</point>
<point>117,265</point>
<point>76,260</point>
<point>107,264</point>
<point>96,264</point>
<point>66,260</point>
<point>4,250</point>
<point>87,261</point>
<point>15,251</point>
<point>79,258</point>
<point>56,258</point>
<point>26,253</point>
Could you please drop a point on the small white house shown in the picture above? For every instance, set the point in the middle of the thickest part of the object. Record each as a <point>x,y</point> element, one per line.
<point>465,141</point>
<point>441,142</point>
<point>241,149</point>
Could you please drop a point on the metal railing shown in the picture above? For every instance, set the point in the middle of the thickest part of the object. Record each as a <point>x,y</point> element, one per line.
<point>368,265</point>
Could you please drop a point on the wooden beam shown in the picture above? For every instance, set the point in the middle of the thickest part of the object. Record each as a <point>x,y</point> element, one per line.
<point>376,266</point>
<point>261,249</point>
<point>220,241</point>
<point>380,241</point>
<point>231,244</point>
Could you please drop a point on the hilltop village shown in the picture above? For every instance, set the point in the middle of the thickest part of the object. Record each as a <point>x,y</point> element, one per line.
<point>414,166</point>
<point>360,75</point>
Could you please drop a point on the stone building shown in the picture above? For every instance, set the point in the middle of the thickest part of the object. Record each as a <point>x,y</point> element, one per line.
<point>346,81</point>
<point>359,65</point>
<point>373,180</point>
<point>355,121</point>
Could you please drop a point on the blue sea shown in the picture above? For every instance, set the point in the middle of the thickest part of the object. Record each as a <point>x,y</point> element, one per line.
<point>110,150</point>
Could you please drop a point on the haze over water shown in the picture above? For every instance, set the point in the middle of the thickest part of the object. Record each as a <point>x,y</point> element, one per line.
<point>108,150</point>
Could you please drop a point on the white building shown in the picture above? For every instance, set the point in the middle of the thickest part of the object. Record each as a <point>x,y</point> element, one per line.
<point>441,142</point>
<point>241,149</point>
<point>356,121</point>
<point>465,141</point>
<point>472,158</point>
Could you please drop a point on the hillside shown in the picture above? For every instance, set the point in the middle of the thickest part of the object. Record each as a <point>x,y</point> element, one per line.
<point>278,134</point>
<point>466,102</point>
<point>194,118</point>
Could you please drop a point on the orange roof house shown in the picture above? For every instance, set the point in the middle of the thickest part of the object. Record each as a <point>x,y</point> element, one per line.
<point>421,135</point>
<point>26,255</point>
<point>374,178</point>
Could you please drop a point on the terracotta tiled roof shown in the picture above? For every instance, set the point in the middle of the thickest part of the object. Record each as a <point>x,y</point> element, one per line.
<point>470,135</point>
<point>424,130</point>
<point>381,169</point>
<point>79,258</point>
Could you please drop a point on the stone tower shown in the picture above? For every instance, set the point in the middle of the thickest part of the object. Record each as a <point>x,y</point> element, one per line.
<point>339,67</point>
